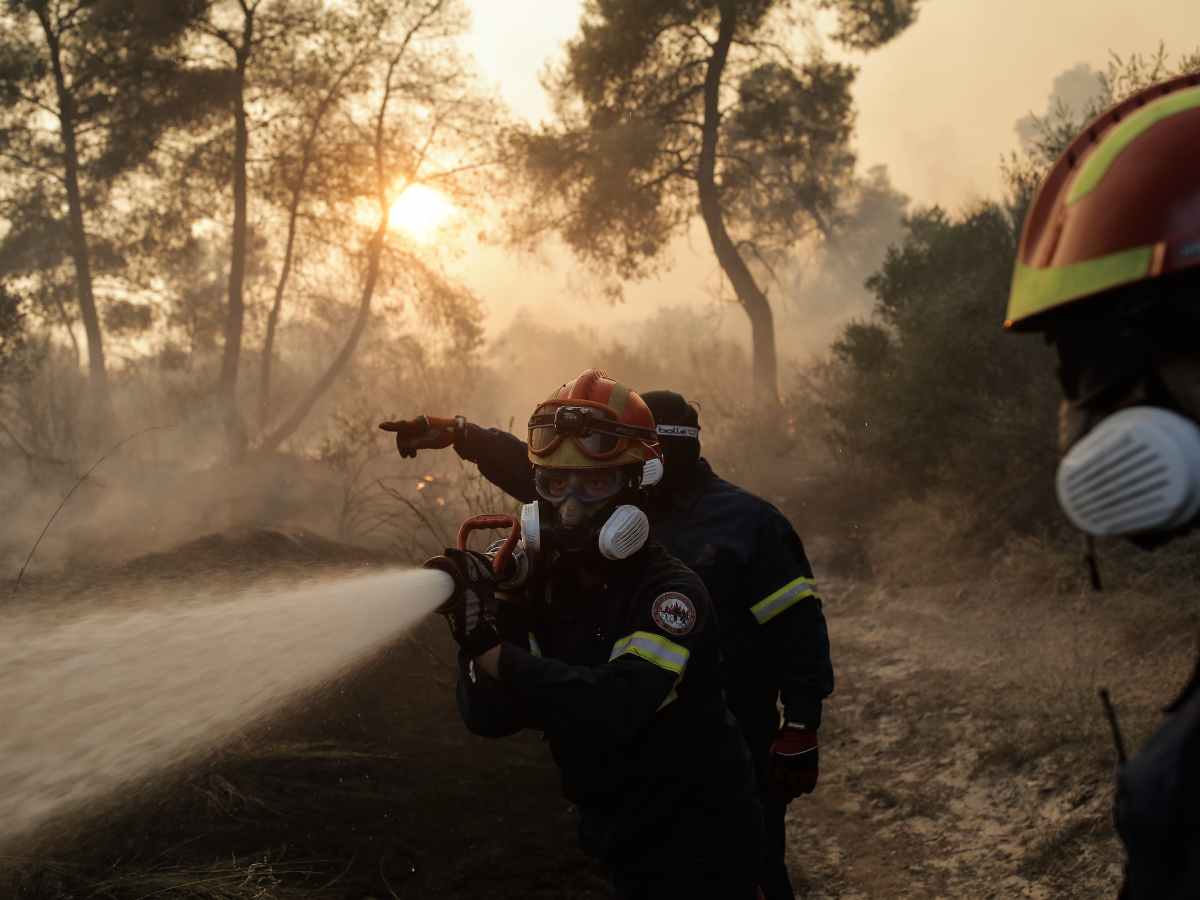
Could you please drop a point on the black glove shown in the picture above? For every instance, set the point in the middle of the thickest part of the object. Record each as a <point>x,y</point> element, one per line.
<point>424,433</point>
<point>471,609</point>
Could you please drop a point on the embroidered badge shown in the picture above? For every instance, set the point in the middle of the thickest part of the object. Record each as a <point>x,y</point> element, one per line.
<point>673,613</point>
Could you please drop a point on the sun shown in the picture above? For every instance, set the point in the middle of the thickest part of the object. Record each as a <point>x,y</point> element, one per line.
<point>420,211</point>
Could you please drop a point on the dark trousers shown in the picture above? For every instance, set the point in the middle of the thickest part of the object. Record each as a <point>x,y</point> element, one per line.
<point>712,853</point>
<point>775,882</point>
<point>754,708</point>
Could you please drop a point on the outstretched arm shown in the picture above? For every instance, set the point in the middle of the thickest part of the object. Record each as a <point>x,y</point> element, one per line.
<point>501,457</point>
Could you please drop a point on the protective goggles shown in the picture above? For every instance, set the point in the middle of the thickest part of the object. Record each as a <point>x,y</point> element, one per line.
<point>585,485</point>
<point>593,428</point>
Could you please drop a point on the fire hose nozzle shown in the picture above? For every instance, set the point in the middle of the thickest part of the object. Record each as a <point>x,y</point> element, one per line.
<point>500,553</point>
<point>510,564</point>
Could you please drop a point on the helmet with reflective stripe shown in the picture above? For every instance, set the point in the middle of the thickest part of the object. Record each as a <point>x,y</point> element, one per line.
<point>592,422</point>
<point>1119,207</point>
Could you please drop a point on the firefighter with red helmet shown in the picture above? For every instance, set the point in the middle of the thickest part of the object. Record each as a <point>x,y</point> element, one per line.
<point>1108,270</point>
<point>774,639</point>
<point>610,648</point>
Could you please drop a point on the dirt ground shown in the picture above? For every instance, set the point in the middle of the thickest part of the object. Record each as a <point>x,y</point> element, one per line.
<point>938,778</point>
<point>964,755</point>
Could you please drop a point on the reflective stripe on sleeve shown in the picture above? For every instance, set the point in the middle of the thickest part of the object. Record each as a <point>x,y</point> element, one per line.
<point>534,648</point>
<point>653,648</point>
<point>788,595</point>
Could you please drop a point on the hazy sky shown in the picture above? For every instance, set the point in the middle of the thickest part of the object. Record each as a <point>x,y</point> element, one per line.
<point>938,106</point>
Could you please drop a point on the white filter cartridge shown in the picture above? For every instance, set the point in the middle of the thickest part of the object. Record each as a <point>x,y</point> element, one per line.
<point>1137,471</point>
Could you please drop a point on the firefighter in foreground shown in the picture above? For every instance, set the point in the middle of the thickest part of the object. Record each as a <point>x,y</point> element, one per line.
<point>774,640</point>
<point>1109,272</point>
<point>611,649</point>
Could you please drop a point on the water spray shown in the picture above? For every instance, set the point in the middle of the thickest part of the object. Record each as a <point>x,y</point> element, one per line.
<point>96,703</point>
<point>93,704</point>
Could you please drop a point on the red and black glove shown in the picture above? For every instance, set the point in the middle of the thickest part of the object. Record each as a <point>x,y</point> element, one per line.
<point>471,609</point>
<point>424,433</point>
<point>795,761</point>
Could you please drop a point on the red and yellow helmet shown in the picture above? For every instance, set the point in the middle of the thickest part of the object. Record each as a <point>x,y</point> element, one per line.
<point>592,422</point>
<point>1120,206</point>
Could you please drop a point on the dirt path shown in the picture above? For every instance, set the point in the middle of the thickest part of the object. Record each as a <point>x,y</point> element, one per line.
<point>963,755</point>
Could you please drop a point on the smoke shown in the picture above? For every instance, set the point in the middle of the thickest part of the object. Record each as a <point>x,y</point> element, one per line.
<point>826,288</point>
<point>1074,92</point>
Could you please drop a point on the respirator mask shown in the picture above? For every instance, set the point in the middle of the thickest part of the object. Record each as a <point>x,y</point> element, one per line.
<point>580,510</point>
<point>1138,470</point>
<point>1135,471</point>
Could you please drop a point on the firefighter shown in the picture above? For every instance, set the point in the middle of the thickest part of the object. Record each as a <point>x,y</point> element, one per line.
<point>774,641</point>
<point>1108,270</point>
<point>611,649</point>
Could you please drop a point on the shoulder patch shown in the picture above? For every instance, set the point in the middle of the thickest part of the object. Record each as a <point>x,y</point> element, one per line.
<point>674,613</point>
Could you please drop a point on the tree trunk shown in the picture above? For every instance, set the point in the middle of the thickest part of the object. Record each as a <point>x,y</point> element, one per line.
<point>235,313</point>
<point>374,262</point>
<point>268,351</point>
<point>100,407</point>
<point>304,407</point>
<point>749,294</point>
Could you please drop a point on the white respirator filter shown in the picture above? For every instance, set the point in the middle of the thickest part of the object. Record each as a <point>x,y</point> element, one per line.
<point>652,472</point>
<point>531,528</point>
<point>1137,471</point>
<point>625,533</point>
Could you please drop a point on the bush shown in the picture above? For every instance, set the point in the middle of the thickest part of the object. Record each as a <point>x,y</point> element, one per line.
<point>932,391</point>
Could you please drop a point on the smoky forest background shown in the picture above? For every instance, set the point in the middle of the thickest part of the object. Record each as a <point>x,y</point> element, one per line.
<point>197,263</point>
<point>207,305</point>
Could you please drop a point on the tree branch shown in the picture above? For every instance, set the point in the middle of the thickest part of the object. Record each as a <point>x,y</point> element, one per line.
<point>36,167</point>
<point>34,101</point>
<point>309,153</point>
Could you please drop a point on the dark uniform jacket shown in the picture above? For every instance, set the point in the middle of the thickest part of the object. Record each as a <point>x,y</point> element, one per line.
<point>773,633</point>
<point>1158,807</point>
<point>621,675</point>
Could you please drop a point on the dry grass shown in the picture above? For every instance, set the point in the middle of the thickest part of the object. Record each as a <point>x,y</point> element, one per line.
<point>234,878</point>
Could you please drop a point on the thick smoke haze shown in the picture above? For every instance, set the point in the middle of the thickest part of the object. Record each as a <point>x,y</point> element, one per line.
<point>1071,94</point>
